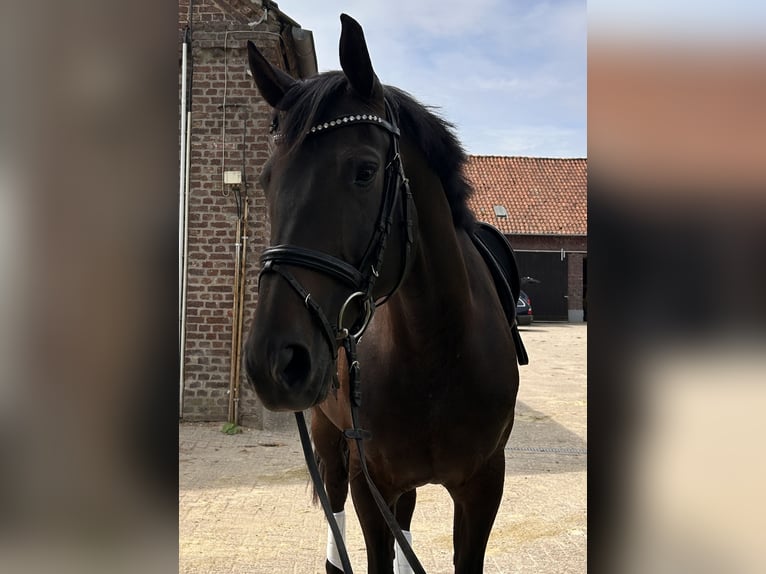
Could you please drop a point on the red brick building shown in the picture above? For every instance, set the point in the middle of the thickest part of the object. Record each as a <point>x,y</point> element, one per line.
<point>228,132</point>
<point>228,122</point>
<point>540,204</point>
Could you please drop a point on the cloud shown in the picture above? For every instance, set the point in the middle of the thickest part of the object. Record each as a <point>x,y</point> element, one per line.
<point>528,140</point>
<point>530,87</point>
<point>487,64</point>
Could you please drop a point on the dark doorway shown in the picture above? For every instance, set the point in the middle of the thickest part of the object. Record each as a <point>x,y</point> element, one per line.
<point>549,297</point>
<point>584,288</point>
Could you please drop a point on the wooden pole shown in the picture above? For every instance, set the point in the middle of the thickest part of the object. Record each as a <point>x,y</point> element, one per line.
<point>240,311</point>
<point>234,316</point>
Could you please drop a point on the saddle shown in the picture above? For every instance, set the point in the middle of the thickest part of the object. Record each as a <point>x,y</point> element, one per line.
<point>498,255</point>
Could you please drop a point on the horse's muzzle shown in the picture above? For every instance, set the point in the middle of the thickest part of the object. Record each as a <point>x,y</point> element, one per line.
<point>283,374</point>
<point>291,366</point>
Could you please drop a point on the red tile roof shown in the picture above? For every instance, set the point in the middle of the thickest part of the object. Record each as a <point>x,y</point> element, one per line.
<point>542,196</point>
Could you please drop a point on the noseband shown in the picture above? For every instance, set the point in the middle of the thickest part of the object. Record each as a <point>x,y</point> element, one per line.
<point>361,280</point>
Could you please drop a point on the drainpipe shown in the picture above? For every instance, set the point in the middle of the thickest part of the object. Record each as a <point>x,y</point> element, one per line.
<point>183,181</point>
<point>187,67</point>
<point>305,52</point>
<point>185,266</point>
<point>182,164</point>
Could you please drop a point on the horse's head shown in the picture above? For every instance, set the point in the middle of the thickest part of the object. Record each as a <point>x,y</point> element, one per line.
<point>339,209</point>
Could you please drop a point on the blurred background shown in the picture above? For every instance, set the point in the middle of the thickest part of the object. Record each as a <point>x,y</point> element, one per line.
<point>88,340</point>
<point>677,300</point>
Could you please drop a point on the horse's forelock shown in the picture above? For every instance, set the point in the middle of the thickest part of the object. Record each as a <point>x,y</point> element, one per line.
<point>304,103</point>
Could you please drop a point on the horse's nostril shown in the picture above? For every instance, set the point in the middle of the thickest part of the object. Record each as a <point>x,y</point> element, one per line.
<point>294,364</point>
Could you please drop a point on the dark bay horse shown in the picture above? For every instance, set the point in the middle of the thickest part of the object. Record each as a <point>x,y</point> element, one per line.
<point>367,200</point>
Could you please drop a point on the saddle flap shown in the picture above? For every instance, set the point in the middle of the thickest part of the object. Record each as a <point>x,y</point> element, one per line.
<point>499,256</point>
<point>501,261</point>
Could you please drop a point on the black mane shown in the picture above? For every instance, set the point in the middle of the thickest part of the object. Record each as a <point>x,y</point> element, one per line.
<point>308,100</point>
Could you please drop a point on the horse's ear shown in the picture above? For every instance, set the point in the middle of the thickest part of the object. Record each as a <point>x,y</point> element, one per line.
<point>355,59</point>
<point>272,82</point>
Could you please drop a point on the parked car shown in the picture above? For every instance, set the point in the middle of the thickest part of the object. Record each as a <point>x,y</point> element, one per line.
<point>524,309</point>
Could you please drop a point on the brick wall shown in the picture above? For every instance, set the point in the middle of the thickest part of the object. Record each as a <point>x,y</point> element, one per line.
<point>575,286</point>
<point>219,140</point>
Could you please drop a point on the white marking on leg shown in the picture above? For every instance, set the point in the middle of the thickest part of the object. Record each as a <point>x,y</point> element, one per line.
<point>401,566</point>
<point>333,556</point>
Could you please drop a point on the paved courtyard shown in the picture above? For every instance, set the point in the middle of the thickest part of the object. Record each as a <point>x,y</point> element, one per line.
<point>245,501</point>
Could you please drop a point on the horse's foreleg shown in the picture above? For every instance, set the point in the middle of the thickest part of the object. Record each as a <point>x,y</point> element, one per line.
<point>377,538</point>
<point>476,504</point>
<point>405,507</point>
<point>331,452</point>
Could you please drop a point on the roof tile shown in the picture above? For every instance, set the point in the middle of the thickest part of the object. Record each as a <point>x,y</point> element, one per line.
<point>543,196</point>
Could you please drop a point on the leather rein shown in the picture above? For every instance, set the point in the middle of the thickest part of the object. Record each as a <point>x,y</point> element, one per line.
<point>361,280</point>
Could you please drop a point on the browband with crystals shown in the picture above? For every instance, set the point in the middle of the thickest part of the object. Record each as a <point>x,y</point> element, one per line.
<point>361,118</point>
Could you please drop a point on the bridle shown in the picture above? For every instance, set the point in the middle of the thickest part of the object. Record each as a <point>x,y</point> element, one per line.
<point>361,279</point>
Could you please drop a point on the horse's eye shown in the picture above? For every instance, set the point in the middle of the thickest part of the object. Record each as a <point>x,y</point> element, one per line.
<point>365,174</point>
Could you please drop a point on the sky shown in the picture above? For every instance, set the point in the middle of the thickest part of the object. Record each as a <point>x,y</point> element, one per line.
<point>681,20</point>
<point>510,75</point>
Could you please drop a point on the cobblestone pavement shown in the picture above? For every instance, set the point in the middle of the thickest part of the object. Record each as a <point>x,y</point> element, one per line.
<point>245,504</point>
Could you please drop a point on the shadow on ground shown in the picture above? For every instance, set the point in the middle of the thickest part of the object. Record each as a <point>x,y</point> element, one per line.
<point>210,459</point>
<point>540,445</point>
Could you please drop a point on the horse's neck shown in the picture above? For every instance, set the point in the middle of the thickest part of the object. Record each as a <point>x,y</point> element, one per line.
<point>437,288</point>
<point>438,277</point>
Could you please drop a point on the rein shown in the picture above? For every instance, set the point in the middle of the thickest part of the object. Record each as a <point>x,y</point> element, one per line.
<point>361,280</point>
